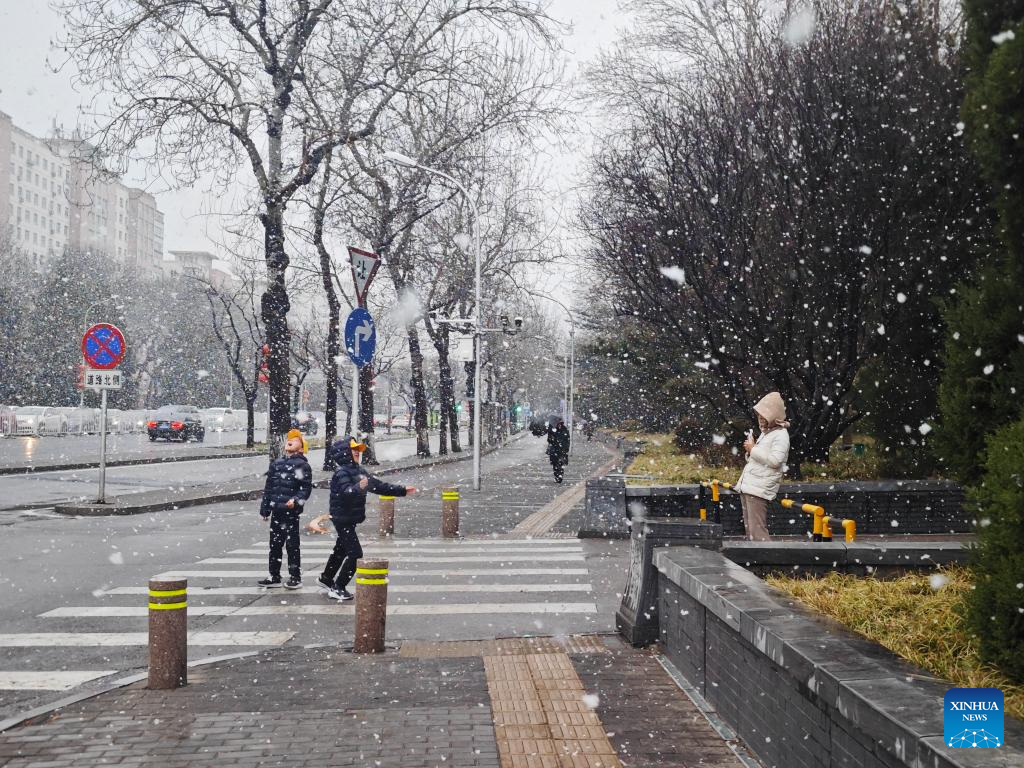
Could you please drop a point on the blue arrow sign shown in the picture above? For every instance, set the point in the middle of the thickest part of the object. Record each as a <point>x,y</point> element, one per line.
<point>360,337</point>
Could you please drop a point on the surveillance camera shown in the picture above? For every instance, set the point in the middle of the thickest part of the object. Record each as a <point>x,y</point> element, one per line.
<point>519,322</point>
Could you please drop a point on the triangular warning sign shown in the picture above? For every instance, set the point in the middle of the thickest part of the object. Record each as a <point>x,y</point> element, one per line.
<point>364,267</point>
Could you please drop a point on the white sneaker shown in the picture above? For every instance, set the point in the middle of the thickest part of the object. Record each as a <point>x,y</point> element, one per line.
<point>333,594</point>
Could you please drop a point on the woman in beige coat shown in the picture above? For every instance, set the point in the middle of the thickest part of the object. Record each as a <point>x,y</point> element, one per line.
<point>766,463</point>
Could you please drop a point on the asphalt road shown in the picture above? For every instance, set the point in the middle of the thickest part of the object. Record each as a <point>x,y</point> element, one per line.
<point>41,489</point>
<point>51,450</point>
<point>75,588</point>
<point>75,449</point>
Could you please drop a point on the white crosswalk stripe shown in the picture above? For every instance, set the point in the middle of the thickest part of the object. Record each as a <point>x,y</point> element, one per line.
<point>72,639</point>
<point>501,558</point>
<point>325,609</point>
<point>500,579</point>
<point>57,680</point>
<point>190,574</point>
<point>435,589</point>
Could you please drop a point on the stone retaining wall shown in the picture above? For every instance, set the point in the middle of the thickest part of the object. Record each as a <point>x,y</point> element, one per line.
<point>799,689</point>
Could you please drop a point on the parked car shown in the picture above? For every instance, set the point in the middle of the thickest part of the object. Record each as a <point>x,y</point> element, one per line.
<point>40,420</point>
<point>8,421</point>
<point>305,421</point>
<point>220,419</point>
<point>176,422</point>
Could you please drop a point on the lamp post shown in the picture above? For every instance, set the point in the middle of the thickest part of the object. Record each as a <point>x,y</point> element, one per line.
<point>570,402</point>
<point>408,162</point>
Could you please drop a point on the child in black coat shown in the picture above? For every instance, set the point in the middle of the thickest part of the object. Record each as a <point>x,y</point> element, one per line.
<point>289,485</point>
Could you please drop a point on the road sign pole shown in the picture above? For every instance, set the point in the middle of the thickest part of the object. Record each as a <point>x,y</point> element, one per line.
<point>103,448</point>
<point>355,403</point>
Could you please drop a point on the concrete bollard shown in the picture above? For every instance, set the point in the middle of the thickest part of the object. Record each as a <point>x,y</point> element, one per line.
<point>386,508</point>
<point>168,634</point>
<point>449,512</point>
<point>371,605</point>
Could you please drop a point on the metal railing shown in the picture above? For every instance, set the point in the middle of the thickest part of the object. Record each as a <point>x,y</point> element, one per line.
<point>821,526</point>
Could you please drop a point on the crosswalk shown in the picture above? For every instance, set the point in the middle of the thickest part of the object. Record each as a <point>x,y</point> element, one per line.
<point>437,587</point>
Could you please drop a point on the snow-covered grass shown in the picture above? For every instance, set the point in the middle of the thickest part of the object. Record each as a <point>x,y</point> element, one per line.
<point>918,617</point>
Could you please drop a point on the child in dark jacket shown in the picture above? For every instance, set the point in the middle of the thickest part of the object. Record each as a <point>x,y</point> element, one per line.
<point>289,485</point>
<point>348,508</point>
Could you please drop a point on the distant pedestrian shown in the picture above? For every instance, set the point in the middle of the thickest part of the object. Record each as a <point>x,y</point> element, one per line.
<point>349,487</point>
<point>289,485</point>
<point>588,430</point>
<point>766,463</point>
<point>558,448</point>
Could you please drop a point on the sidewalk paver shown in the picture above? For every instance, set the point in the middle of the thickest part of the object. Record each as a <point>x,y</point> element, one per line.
<point>562,702</point>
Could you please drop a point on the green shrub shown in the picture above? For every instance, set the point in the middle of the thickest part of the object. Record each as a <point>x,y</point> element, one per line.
<point>995,610</point>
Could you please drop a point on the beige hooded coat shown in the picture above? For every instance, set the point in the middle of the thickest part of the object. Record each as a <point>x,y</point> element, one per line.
<point>767,461</point>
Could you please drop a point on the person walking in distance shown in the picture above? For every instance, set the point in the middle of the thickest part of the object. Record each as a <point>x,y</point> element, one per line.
<point>289,485</point>
<point>766,463</point>
<point>558,449</point>
<point>349,487</point>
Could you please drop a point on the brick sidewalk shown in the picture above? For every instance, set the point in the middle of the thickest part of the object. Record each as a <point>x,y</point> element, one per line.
<point>582,702</point>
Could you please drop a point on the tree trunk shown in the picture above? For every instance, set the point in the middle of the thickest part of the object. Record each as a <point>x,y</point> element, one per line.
<point>250,421</point>
<point>442,427</point>
<point>274,306</point>
<point>470,388</point>
<point>448,413</point>
<point>418,392</point>
<point>366,407</point>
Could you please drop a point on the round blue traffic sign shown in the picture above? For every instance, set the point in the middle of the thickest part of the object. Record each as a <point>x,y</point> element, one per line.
<point>360,337</point>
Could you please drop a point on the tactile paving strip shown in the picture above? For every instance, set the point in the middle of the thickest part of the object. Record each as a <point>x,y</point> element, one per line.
<point>541,716</point>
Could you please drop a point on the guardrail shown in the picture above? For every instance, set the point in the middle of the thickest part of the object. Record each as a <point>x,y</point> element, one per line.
<point>821,526</point>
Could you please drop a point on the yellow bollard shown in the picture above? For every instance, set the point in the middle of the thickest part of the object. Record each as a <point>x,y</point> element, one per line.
<point>826,529</point>
<point>714,491</point>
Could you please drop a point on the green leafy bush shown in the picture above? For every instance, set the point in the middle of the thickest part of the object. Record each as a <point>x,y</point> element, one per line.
<point>995,610</point>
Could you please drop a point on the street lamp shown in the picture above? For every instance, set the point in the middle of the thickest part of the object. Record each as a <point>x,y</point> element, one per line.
<point>408,162</point>
<point>572,369</point>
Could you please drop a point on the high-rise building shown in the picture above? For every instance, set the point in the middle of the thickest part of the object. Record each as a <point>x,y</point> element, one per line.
<point>53,197</point>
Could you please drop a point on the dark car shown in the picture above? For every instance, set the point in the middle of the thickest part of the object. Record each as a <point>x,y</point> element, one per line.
<point>305,422</point>
<point>176,422</point>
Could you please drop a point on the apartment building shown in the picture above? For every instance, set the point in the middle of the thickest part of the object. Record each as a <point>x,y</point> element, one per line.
<point>52,197</point>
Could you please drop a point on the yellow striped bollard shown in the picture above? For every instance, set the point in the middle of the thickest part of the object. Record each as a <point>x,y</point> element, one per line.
<point>371,605</point>
<point>168,634</point>
<point>386,507</point>
<point>449,512</point>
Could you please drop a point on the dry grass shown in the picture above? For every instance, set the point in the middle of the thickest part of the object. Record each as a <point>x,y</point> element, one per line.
<point>917,617</point>
<point>667,465</point>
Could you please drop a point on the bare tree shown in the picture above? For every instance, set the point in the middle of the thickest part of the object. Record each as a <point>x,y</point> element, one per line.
<point>213,85</point>
<point>236,322</point>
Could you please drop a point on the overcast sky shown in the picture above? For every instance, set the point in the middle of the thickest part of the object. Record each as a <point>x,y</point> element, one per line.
<point>34,96</point>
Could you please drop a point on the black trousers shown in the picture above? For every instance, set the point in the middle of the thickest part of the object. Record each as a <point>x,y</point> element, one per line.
<point>284,532</point>
<point>341,565</point>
